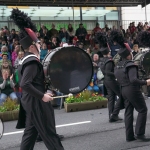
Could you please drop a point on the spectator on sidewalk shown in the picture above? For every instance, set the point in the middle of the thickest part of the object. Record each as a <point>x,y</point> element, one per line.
<point>52,32</point>
<point>5,58</point>
<point>18,59</point>
<point>114,48</point>
<point>135,50</point>
<point>4,49</point>
<point>13,36</point>
<point>7,87</point>
<point>54,43</point>
<point>6,66</point>
<point>97,28</point>
<point>64,36</point>
<point>43,52</point>
<point>75,40</point>
<point>81,33</point>
<point>14,54</point>
<point>70,31</point>
<point>92,38</point>
<point>96,85</point>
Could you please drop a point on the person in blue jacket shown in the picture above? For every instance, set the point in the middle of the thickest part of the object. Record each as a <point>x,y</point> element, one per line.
<point>43,52</point>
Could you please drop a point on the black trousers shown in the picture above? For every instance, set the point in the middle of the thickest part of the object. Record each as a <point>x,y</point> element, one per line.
<point>52,142</point>
<point>30,135</point>
<point>113,90</point>
<point>133,98</point>
<point>46,129</point>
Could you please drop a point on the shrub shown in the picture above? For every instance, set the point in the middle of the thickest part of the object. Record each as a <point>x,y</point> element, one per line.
<point>85,96</point>
<point>9,105</point>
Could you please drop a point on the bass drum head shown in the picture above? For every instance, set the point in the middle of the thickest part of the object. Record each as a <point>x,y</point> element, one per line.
<point>69,69</point>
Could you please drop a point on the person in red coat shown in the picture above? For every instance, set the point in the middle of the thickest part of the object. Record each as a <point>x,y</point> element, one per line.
<point>97,28</point>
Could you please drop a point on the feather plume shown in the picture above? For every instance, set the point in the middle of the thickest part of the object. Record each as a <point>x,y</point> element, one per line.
<point>117,36</point>
<point>22,20</point>
<point>102,40</point>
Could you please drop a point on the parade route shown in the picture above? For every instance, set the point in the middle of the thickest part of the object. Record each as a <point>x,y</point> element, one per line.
<point>59,126</point>
<point>84,130</point>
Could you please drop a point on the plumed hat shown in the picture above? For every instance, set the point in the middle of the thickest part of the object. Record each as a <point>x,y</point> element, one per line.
<point>27,35</point>
<point>102,40</point>
<point>125,49</point>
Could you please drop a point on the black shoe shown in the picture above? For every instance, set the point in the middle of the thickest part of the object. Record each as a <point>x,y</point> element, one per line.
<point>142,138</point>
<point>131,139</point>
<point>114,118</point>
<point>38,139</point>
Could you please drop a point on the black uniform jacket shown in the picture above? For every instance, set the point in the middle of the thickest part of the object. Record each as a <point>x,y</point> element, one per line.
<point>107,66</point>
<point>33,87</point>
<point>126,73</point>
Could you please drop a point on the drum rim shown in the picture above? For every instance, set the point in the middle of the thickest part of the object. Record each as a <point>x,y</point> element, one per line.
<point>50,52</point>
<point>90,59</point>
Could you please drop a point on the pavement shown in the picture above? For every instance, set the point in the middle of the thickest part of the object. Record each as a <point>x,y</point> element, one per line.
<point>83,130</point>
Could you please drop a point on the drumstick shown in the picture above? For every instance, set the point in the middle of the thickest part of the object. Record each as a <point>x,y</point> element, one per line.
<point>69,95</point>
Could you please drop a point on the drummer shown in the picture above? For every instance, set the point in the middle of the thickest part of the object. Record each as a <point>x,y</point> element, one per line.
<point>36,113</point>
<point>107,67</point>
<point>126,73</point>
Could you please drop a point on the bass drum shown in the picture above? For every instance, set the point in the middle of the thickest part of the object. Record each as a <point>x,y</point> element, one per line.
<point>142,59</point>
<point>68,69</point>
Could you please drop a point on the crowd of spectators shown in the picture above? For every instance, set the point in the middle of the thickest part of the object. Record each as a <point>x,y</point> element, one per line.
<point>10,54</point>
<point>11,51</point>
<point>130,36</point>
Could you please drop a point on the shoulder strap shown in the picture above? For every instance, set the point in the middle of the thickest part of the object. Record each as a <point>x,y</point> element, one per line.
<point>108,60</point>
<point>126,62</point>
<point>26,57</point>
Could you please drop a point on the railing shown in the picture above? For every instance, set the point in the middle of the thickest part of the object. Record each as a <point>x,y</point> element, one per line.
<point>89,24</point>
<point>126,23</point>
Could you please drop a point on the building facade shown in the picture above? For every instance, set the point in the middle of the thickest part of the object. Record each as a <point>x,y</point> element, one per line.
<point>89,16</point>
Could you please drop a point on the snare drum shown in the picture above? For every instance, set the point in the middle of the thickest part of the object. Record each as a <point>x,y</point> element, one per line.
<point>142,59</point>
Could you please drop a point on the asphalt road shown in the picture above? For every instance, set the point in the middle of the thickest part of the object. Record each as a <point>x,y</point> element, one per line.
<point>84,130</point>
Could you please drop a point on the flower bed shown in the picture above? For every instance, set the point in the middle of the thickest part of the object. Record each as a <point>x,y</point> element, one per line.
<point>9,110</point>
<point>85,101</point>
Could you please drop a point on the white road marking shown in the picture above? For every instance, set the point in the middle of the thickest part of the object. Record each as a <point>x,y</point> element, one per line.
<point>58,126</point>
<point>10,133</point>
<point>72,124</point>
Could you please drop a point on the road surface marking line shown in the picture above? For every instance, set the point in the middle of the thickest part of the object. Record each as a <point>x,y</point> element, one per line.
<point>58,126</point>
<point>72,124</point>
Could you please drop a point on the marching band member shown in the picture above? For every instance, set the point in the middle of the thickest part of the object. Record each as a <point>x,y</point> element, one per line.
<point>107,67</point>
<point>126,73</point>
<point>36,112</point>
